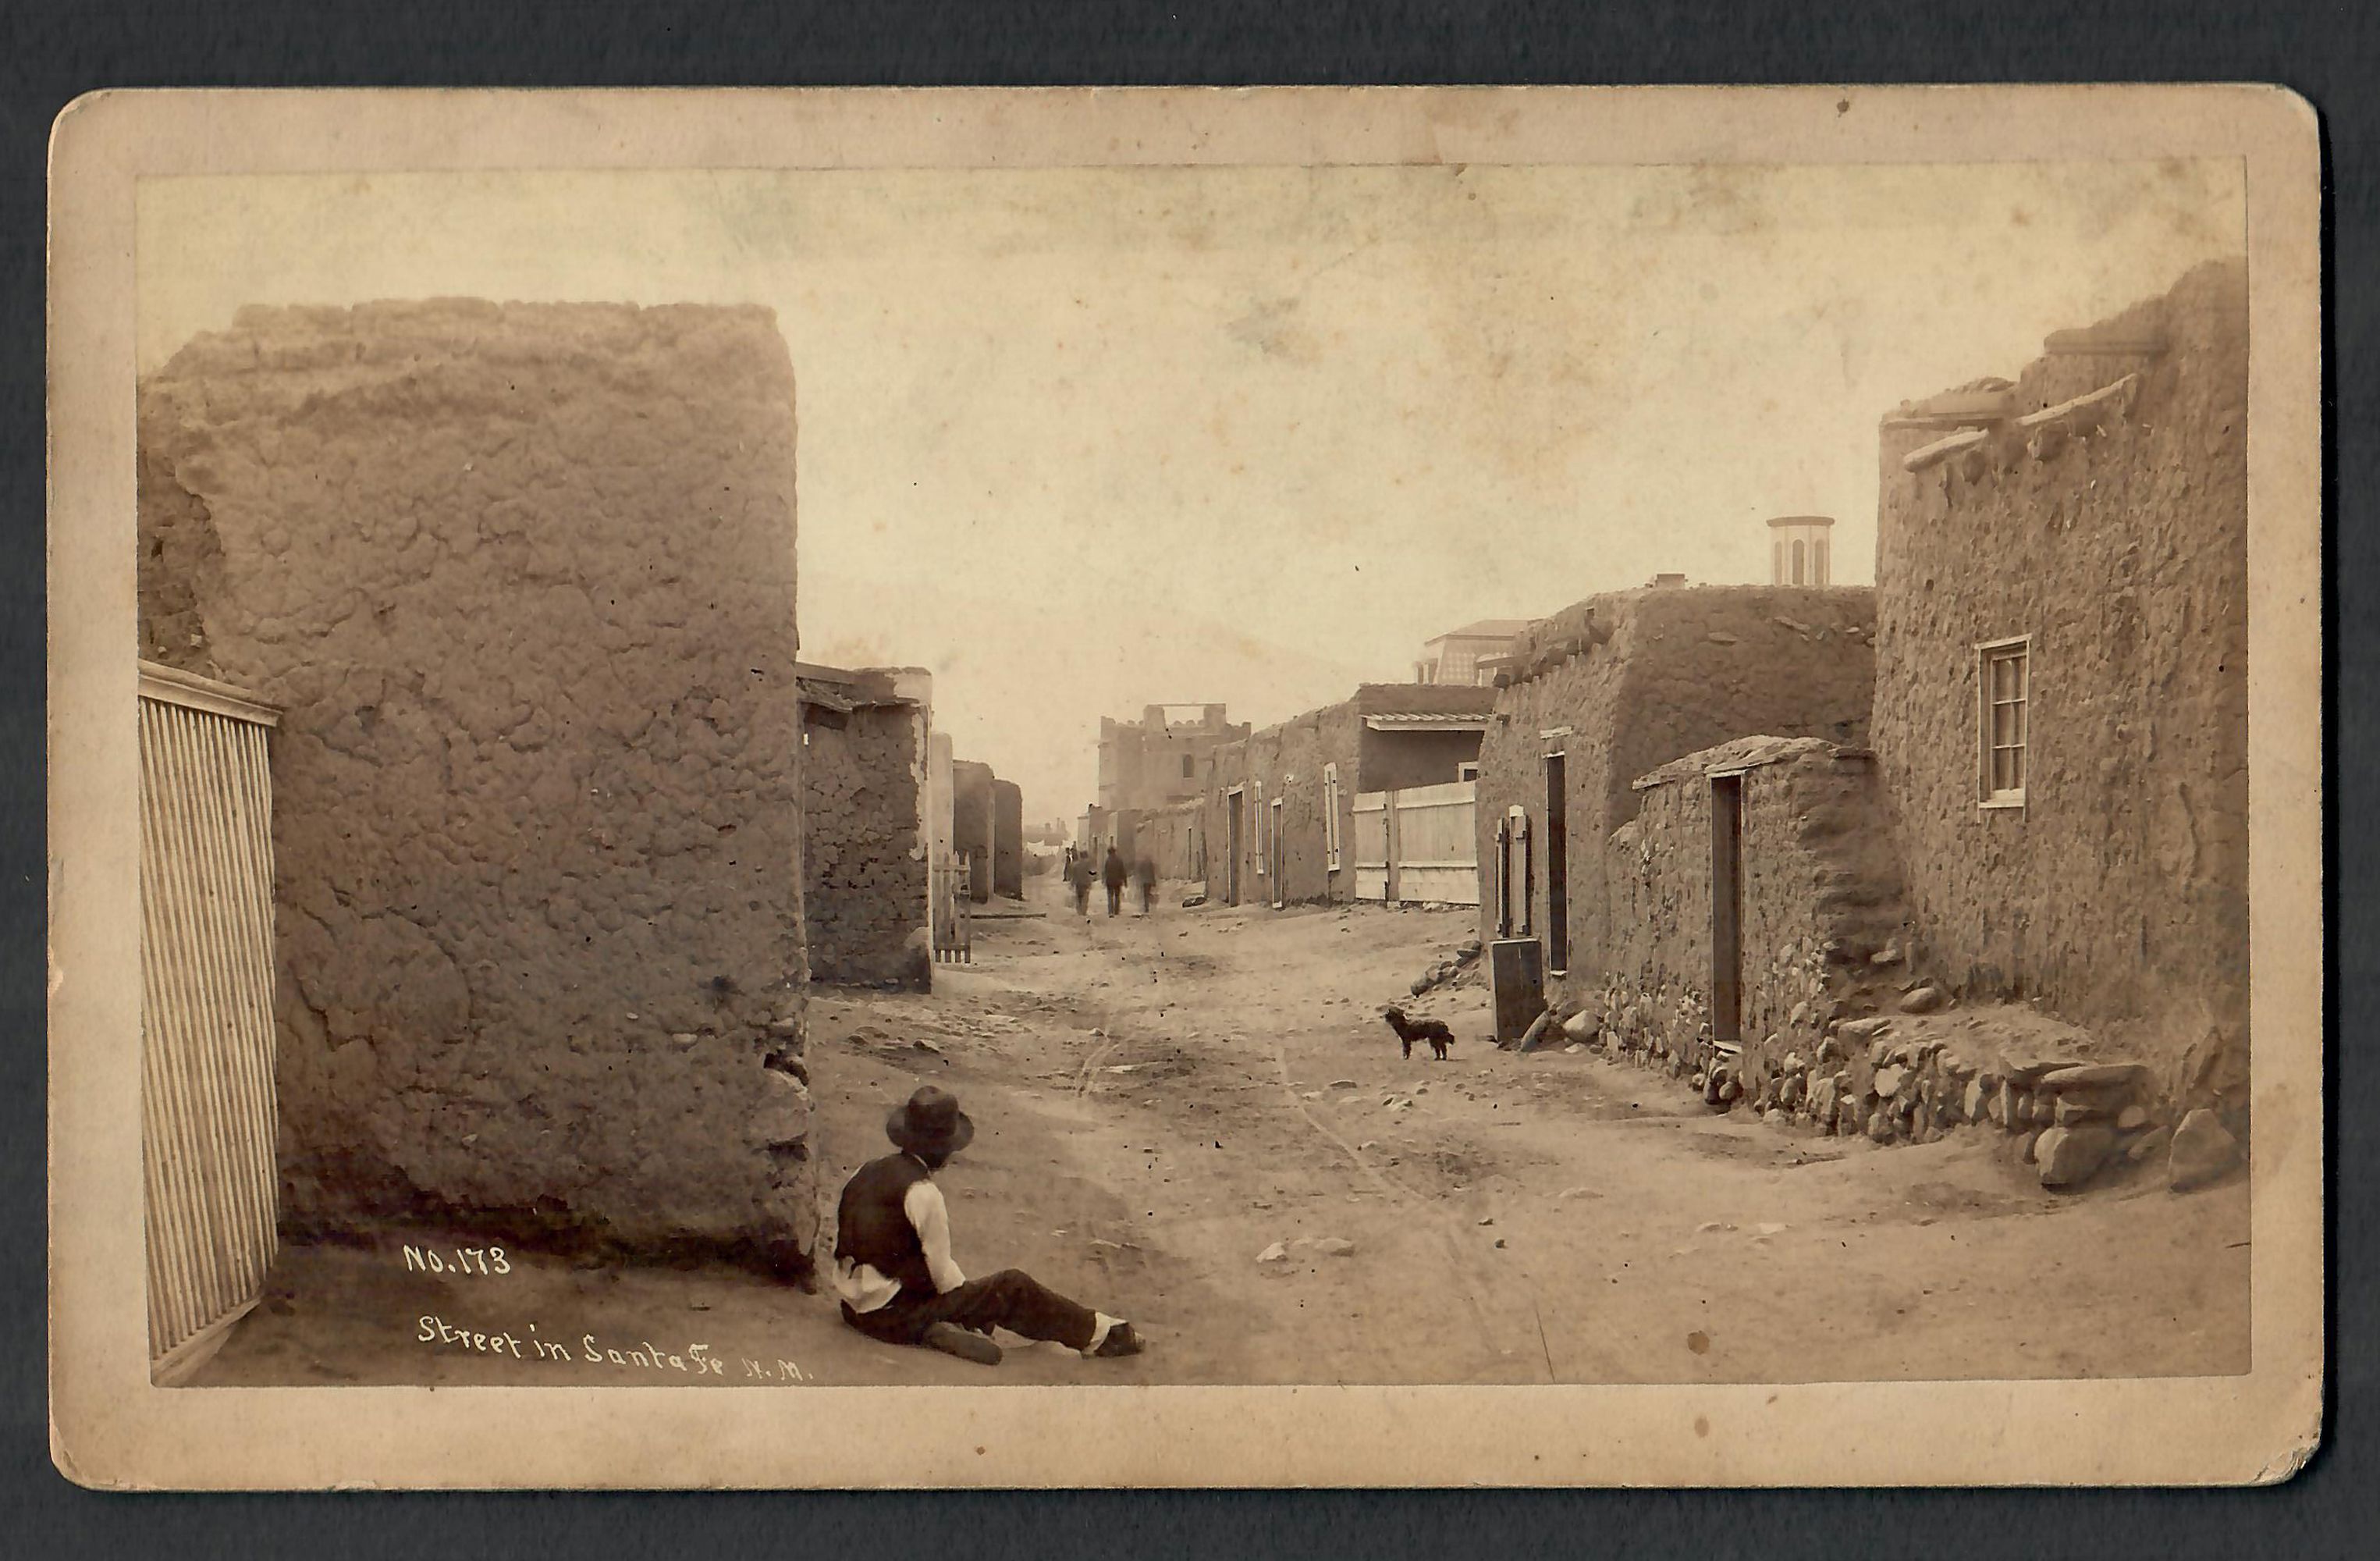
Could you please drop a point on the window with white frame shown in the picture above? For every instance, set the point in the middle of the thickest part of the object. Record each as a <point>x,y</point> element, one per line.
<point>2004,689</point>
<point>1330,816</point>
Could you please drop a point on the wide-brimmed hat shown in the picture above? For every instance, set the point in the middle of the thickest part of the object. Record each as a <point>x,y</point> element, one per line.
<point>929,1122</point>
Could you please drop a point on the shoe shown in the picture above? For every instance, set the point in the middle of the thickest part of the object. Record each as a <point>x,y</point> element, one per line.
<point>1120,1340</point>
<point>952,1339</point>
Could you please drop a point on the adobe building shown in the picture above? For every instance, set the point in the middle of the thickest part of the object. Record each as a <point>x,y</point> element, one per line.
<point>1612,688</point>
<point>2061,710</point>
<point>1755,898</point>
<point>866,837</point>
<point>1007,839</point>
<point>521,577</point>
<point>1156,761</point>
<point>1279,814</point>
<point>973,827</point>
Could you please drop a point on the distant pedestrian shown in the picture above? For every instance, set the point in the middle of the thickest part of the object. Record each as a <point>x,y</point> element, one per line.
<point>1144,874</point>
<point>1114,874</point>
<point>1078,878</point>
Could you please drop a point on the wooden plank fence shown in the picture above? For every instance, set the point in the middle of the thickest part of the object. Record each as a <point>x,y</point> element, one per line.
<point>1418,846</point>
<point>953,912</point>
<point>208,1118</point>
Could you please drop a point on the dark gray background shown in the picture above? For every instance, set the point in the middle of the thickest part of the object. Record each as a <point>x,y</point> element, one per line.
<point>50,53</point>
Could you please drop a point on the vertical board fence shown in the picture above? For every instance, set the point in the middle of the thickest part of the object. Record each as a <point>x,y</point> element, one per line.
<point>952,911</point>
<point>208,1119</point>
<point>1418,846</point>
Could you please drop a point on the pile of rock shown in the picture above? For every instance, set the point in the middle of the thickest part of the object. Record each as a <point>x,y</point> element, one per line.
<point>1459,969</point>
<point>2066,1117</point>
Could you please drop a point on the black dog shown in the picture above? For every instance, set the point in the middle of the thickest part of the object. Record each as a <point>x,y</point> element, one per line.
<point>1410,1030</point>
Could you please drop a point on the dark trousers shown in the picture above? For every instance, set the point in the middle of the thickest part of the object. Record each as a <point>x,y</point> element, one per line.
<point>1082,900</point>
<point>1115,898</point>
<point>1012,1298</point>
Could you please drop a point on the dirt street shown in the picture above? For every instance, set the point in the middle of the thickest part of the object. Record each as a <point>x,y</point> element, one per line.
<point>1160,1100</point>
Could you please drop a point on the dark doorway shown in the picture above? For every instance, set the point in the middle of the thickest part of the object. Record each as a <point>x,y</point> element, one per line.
<point>1727,909</point>
<point>1232,831</point>
<point>1557,866</point>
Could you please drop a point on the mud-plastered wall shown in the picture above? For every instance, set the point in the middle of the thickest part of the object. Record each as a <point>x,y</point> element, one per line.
<point>2116,894</point>
<point>1821,918</point>
<point>1624,683</point>
<point>1287,761</point>
<point>971,824</point>
<point>522,578</point>
<point>865,889</point>
<point>1007,839</point>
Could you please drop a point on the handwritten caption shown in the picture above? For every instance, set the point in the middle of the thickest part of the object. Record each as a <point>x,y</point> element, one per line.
<point>458,1259</point>
<point>692,1360</point>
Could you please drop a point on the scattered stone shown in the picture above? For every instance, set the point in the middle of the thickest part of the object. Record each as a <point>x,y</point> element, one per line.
<point>2069,1156</point>
<point>1576,1192</point>
<point>1971,1105</point>
<point>1333,1245</point>
<point>2202,1152</point>
<point>2131,1119</point>
<point>1486,1219</point>
<point>1777,1116</point>
<point>1274,1253</point>
<point>2083,1107</point>
<point>2026,1145</point>
<point>2148,1143</point>
<point>1889,955</point>
<point>1862,1030</point>
<point>1574,1046</point>
<point>1344,1084</point>
<point>1889,1079</point>
<point>2092,1076</point>
<point>1772,1227</point>
<point>1711,1227</point>
<point>1880,1126</point>
<point>1922,1000</point>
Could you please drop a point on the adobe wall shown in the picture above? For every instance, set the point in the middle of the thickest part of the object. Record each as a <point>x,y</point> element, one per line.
<point>1822,931</point>
<point>522,578</point>
<point>971,824</point>
<point>1007,839</point>
<point>865,880</point>
<point>1645,677</point>
<point>2117,894</point>
<point>1288,760</point>
<point>1169,838</point>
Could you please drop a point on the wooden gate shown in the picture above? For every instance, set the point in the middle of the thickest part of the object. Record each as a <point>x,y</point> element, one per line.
<point>208,1117</point>
<point>1418,847</point>
<point>951,912</point>
<point>1371,825</point>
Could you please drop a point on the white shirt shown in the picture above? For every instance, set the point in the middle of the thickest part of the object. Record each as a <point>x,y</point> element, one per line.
<point>864,1289</point>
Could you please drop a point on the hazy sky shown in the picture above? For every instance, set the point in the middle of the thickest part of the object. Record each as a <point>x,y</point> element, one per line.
<point>1084,439</point>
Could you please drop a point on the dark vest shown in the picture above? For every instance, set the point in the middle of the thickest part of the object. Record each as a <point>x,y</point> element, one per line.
<point>872,1227</point>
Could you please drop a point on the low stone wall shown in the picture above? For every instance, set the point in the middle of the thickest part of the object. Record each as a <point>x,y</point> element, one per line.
<point>865,889</point>
<point>522,578</point>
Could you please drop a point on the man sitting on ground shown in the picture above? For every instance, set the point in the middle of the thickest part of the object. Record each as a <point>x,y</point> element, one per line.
<point>892,1267</point>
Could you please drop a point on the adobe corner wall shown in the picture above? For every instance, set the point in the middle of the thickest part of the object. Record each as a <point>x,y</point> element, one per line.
<point>522,577</point>
<point>2118,893</point>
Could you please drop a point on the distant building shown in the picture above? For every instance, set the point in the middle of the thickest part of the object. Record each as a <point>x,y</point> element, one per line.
<point>1797,550</point>
<point>1455,657</point>
<point>1156,760</point>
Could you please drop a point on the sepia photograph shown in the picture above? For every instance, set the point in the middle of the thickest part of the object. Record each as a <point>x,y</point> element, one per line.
<point>1626,770</point>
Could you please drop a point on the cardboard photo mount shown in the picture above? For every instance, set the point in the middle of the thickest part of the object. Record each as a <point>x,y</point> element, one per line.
<point>112,1428</point>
